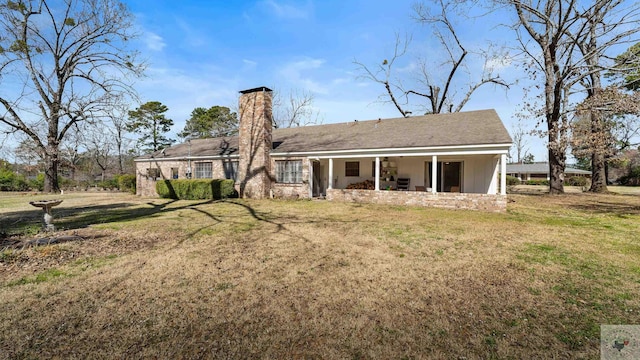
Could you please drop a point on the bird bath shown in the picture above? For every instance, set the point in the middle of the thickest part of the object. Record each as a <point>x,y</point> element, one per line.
<point>46,206</point>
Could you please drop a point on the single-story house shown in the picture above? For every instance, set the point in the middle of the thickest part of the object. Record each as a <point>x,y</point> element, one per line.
<point>454,160</point>
<point>540,171</point>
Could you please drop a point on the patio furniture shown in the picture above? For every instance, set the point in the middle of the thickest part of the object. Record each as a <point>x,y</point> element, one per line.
<point>403,184</point>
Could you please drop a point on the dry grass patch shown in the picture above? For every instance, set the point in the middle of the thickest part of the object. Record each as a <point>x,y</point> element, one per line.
<point>307,279</point>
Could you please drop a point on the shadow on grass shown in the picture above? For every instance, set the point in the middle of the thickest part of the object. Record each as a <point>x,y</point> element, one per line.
<point>24,222</point>
<point>619,209</point>
<point>29,222</point>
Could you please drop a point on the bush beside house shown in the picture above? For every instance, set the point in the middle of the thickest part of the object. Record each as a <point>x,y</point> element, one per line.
<point>196,189</point>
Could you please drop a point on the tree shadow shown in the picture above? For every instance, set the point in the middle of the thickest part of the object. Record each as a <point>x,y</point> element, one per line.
<point>619,209</point>
<point>70,218</point>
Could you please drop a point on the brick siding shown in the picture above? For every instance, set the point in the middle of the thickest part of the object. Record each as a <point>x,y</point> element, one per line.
<point>467,201</point>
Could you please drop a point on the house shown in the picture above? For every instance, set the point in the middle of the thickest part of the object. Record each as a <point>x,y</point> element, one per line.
<point>540,171</point>
<point>447,160</point>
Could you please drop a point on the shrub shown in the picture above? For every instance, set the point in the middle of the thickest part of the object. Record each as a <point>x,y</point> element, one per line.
<point>127,182</point>
<point>632,178</point>
<point>537,182</point>
<point>512,180</point>
<point>10,181</point>
<point>198,189</point>
<point>108,184</point>
<point>577,181</point>
<point>37,183</point>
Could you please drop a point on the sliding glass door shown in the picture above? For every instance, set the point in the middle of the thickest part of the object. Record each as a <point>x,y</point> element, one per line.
<point>449,176</point>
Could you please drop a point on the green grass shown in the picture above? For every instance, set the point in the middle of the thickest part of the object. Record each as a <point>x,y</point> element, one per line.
<point>302,279</point>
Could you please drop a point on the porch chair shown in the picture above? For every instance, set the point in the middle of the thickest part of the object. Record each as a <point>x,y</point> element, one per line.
<point>403,184</point>
<point>421,188</point>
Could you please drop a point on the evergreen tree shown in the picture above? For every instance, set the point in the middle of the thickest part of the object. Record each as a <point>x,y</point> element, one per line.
<point>213,122</point>
<point>150,123</point>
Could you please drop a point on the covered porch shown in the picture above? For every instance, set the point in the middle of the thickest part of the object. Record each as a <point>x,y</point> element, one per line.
<point>448,178</point>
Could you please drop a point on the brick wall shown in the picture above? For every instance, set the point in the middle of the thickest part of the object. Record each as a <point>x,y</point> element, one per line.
<point>147,187</point>
<point>484,202</point>
<point>291,191</point>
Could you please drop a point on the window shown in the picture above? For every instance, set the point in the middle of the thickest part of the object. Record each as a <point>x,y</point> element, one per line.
<point>204,170</point>
<point>352,168</point>
<point>289,171</point>
<point>230,169</point>
<point>153,173</point>
<point>174,173</point>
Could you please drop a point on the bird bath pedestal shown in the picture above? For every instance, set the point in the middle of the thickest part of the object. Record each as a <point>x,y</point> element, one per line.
<point>46,206</point>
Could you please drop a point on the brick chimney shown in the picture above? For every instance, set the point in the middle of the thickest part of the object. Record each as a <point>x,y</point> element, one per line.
<point>254,167</point>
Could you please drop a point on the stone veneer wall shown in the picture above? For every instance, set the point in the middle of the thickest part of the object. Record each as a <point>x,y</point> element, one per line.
<point>254,143</point>
<point>467,201</point>
<point>147,187</point>
<point>291,191</point>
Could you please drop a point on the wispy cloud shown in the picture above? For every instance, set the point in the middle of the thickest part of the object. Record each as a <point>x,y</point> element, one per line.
<point>154,41</point>
<point>288,10</point>
<point>298,73</point>
<point>249,64</point>
<point>193,36</point>
<point>498,63</point>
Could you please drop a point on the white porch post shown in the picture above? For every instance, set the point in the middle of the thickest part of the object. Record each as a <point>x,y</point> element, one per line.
<point>330,173</point>
<point>434,173</point>
<point>310,179</point>
<point>503,174</point>
<point>493,186</point>
<point>377,173</point>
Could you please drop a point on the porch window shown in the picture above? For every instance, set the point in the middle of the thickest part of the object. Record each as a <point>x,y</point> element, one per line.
<point>204,170</point>
<point>352,168</point>
<point>230,170</point>
<point>289,171</point>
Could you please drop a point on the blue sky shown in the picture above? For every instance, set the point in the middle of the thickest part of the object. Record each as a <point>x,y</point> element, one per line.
<point>201,53</point>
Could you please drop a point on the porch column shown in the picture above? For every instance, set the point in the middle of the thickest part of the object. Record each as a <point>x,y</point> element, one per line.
<point>330,173</point>
<point>493,186</point>
<point>503,174</point>
<point>377,173</point>
<point>434,173</point>
<point>310,179</point>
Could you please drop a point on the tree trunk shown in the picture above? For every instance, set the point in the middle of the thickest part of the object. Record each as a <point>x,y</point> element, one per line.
<point>51,173</point>
<point>556,173</point>
<point>598,174</point>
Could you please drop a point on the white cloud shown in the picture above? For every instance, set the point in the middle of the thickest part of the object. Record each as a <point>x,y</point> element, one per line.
<point>498,63</point>
<point>187,91</point>
<point>298,73</point>
<point>287,11</point>
<point>154,41</point>
<point>249,64</point>
<point>192,36</point>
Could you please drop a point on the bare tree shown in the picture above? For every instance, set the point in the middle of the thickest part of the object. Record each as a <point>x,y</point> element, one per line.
<point>440,93</point>
<point>294,109</point>
<point>69,57</point>
<point>100,148</point>
<point>556,30</point>
<point>607,24</point>
<point>117,117</point>
<point>518,134</point>
<point>71,150</point>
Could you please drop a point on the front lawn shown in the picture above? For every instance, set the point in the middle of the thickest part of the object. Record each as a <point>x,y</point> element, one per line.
<point>155,278</point>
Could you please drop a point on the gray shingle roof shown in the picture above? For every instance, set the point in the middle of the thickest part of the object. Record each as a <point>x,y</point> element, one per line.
<point>452,129</point>
<point>540,168</point>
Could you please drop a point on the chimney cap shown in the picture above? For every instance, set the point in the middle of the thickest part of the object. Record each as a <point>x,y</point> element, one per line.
<point>261,88</point>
